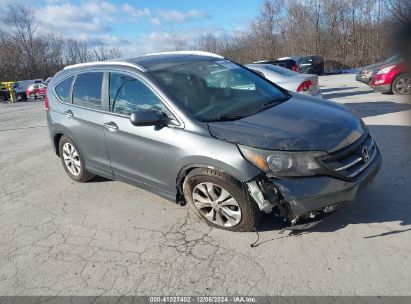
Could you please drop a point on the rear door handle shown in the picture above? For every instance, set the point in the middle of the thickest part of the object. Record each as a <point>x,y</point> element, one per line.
<point>112,126</point>
<point>68,113</point>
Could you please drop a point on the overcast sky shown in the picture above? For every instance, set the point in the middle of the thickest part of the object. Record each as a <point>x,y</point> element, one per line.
<point>139,26</point>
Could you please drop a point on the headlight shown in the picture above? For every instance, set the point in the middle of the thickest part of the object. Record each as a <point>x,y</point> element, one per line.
<point>282,163</point>
<point>386,70</point>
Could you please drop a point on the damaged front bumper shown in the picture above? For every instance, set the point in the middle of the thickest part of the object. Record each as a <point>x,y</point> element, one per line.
<point>307,196</point>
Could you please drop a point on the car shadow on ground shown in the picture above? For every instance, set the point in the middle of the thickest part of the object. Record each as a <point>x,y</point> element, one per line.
<point>386,200</point>
<point>345,94</point>
<point>368,109</point>
<point>337,89</point>
<point>99,179</point>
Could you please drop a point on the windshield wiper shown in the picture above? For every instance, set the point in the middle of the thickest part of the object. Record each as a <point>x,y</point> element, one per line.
<point>263,107</point>
<point>227,118</point>
<point>270,104</point>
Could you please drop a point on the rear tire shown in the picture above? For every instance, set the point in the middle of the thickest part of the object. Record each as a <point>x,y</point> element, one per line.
<point>2,98</point>
<point>220,200</point>
<point>73,161</point>
<point>402,85</point>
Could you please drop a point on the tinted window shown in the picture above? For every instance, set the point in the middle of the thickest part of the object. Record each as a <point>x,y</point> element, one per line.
<point>63,89</point>
<point>128,94</point>
<point>87,90</point>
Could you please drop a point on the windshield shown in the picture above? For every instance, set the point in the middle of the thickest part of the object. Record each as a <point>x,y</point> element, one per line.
<point>215,90</point>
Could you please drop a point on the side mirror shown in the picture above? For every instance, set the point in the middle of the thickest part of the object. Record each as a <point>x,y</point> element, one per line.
<point>147,118</point>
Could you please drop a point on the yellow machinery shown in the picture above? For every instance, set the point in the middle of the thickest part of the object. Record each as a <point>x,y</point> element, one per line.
<point>8,85</point>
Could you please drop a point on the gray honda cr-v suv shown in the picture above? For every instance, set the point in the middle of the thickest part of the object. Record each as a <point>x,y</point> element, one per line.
<point>196,127</point>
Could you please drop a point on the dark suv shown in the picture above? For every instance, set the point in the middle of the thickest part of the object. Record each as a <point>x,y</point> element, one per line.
<point>306,65</point>
<point>195,127</point>
<point>4,94</point>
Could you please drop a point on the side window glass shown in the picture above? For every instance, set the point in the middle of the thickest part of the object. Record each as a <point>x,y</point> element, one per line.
<point>87,90</point>
<point>128,95</point>
<point>63,89</point>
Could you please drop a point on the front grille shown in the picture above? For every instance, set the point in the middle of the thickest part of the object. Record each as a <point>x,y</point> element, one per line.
<point>350,162</point>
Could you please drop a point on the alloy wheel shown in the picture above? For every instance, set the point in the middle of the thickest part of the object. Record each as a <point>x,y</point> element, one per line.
<point>403,85</point>
<point>71,159</point>
<point>216,204</point>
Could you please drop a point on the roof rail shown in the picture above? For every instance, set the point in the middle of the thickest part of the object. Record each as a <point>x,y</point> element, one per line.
<point>196,53</point>
<point>98,63</point>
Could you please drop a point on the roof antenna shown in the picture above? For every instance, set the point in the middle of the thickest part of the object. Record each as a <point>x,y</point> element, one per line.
<point>97,55</point>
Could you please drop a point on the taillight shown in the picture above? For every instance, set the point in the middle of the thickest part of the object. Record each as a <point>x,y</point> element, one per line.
<point>304,86</point>
<point>295,69</point>
<point>46,103</point>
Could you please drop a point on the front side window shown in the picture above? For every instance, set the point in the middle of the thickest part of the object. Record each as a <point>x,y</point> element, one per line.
<point>128,95</point>
<point>63,89</point>
<point>213,90</point>
<point>87,90</point>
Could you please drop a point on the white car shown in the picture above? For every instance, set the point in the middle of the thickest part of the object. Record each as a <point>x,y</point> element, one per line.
<point>292,81</point>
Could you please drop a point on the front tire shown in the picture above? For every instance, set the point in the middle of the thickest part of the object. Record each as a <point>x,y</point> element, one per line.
<point>220,200</point>
<point>72,161</point>
<point>402,85</point>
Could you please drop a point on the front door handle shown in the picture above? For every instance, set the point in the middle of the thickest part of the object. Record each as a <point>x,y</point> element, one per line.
<point>112,126</point>
<point>68,113</point>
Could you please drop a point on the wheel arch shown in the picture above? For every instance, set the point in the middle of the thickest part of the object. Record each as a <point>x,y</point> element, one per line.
<point>184,171</point>
<point>56,140</point>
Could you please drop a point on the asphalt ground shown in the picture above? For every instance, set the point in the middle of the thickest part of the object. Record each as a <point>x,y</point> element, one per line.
<point>59,237</point>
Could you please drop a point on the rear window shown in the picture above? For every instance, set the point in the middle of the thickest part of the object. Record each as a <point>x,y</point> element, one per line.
<point>280,70</point>
<point>63,89</point>
<point>87,90</point>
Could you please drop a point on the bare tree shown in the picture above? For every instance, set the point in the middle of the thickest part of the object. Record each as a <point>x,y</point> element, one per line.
<point>23,25</point>
<point>348,33</point>
<point>76,52</point>
<point>104,53</point>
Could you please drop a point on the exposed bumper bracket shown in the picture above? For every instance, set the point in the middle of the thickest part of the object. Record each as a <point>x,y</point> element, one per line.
<point>258,196</point>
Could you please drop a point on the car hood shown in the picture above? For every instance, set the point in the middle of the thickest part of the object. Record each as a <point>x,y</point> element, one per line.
<point>373,67</point>
<point>301,123</point>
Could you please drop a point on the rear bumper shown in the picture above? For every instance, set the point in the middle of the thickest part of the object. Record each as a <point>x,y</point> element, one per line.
<point>385,88</point>
<point>305,195</point>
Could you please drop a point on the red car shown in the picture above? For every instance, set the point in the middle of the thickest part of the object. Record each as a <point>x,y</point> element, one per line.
<point>36,90</point>
<point>392,77</point>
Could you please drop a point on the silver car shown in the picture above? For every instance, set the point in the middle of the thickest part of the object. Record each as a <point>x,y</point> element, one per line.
<point>296,82</point>
<point>195,127</point>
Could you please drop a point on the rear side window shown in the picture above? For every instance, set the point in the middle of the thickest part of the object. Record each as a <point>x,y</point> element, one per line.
<point>63,89</point>
<point>87,90</point>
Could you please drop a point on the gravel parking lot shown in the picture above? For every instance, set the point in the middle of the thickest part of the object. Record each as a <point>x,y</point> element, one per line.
<point>58,237</point>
